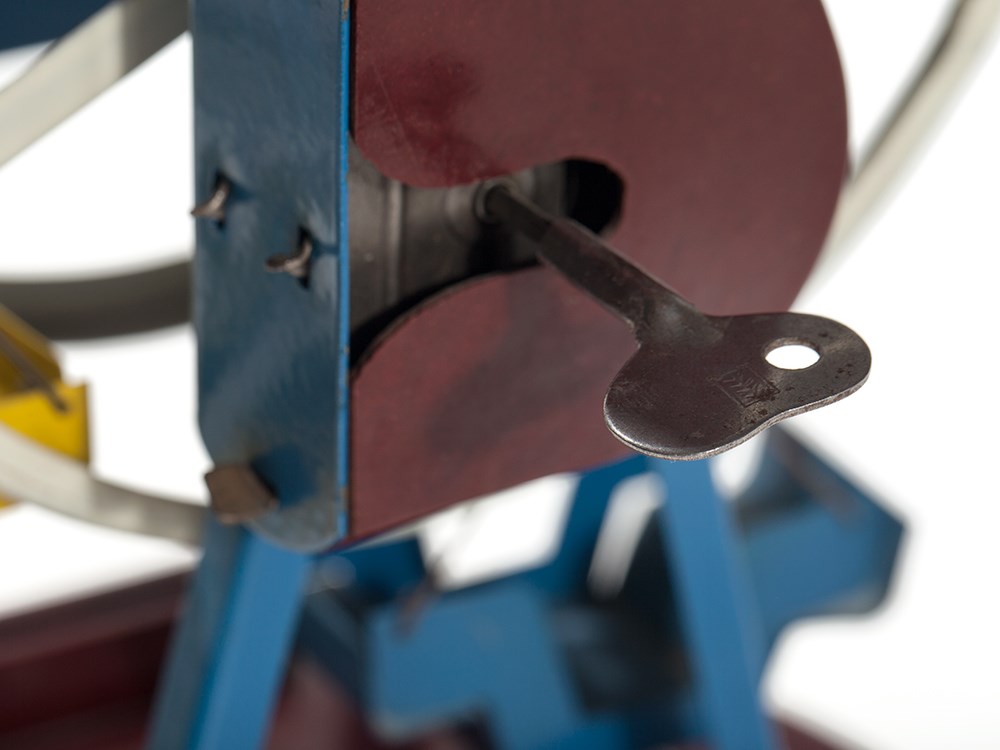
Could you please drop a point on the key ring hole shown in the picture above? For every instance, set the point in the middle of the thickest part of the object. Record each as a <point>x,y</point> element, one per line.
<point>791,354</point>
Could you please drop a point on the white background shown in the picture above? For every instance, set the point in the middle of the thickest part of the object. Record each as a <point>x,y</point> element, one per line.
<point>111,188</point>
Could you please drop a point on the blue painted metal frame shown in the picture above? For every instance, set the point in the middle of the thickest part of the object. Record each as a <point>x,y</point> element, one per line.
<point>271,117</point>
<point>710,586</point>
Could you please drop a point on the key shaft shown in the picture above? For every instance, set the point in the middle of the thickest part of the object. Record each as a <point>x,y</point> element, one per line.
<point>697,384</point>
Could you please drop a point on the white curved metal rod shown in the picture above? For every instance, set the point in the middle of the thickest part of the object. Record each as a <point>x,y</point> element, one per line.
<point>970,29</point>
<point>31,473</point>
<point>81,65</point>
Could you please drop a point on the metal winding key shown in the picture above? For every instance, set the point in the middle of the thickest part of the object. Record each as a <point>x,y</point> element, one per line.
<point>698,384</point>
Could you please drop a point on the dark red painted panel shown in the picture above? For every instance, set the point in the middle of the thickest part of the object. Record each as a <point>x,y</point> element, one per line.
<point>725,120</point>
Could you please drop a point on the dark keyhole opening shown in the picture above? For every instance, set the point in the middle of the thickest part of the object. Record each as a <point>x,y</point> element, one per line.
<point>594,195</point>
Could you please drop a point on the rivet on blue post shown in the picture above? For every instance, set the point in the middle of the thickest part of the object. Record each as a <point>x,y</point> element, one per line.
<point>718,617</point>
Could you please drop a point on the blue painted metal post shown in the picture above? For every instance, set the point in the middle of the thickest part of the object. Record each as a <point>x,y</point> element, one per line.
<point>271,119</point>
<point>718,616</point>
<point>271,122</point>
<point>229,654</point>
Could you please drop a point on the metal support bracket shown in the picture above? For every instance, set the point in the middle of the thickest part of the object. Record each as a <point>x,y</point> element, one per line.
<point>271,120</point>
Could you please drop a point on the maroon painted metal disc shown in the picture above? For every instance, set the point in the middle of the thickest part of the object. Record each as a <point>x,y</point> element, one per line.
<point>726,123</point>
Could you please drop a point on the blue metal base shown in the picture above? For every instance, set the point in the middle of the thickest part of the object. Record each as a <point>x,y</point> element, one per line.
<point>536,657</point>
<point>676,655</point>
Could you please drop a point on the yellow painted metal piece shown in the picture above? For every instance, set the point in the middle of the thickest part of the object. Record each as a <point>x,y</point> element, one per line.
<point>30,411</point>
<point>31,414</point>
<point>32,345</point>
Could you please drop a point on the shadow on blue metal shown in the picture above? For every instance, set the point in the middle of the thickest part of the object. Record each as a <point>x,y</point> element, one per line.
<point>24,22</point>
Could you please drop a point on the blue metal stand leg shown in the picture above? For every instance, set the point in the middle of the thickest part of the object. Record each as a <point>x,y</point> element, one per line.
<point>716,608</point>
<point>229,654</point>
